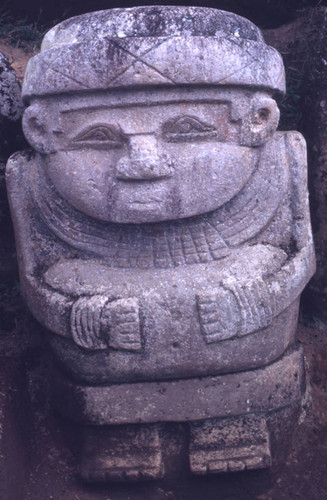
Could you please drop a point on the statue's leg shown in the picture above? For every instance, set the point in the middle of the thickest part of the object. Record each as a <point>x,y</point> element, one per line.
<point>121,453</point>
<point>229,444</point>
<point>237,421</point>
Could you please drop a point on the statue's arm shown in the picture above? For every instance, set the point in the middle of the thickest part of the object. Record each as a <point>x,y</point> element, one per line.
<point>93,321</point>
<point>242,306</point>
<point>49,307</point>
<point>289,282</point>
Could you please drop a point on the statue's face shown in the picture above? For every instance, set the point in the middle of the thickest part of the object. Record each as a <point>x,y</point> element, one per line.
<point>140,157</point>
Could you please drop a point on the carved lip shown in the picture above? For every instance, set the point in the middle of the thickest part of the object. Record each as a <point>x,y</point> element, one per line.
<point>145,203</point>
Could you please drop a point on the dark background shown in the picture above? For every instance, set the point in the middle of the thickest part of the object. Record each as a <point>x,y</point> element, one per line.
<point>264,13</point>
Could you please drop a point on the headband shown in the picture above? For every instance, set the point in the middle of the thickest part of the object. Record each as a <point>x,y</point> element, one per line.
<point>153,46</point>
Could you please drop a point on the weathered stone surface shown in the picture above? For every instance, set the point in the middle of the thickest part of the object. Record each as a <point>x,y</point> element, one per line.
<point>162,223</point>
<point>11,110</point>
<point>11,106</point>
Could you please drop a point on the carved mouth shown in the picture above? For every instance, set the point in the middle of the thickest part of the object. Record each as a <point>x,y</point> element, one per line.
<point>145,203</point>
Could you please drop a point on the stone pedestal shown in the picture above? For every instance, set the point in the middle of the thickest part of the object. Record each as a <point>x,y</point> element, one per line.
<point>227,415</point>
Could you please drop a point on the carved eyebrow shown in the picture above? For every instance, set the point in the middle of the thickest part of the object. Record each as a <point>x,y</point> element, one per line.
<point>100,134</point>
<point>187,128</point>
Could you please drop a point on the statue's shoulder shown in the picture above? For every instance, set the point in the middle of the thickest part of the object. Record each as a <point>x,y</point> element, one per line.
<point>18,169</point>
<point>295,145</point>
<point>19,181</point>
<point>296,149</point>
<point>290,147</point>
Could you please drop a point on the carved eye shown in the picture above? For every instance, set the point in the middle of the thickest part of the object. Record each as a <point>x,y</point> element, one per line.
<point>187,128</point>
<point>101,136</point>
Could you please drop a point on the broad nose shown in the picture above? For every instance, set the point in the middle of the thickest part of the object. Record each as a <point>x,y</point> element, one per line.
<point>143,161</point>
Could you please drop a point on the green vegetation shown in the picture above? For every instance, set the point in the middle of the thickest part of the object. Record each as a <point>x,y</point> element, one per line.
<point>290,107</point>
<point>20,33</point>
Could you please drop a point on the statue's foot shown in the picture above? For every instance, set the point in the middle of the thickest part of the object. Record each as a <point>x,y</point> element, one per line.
<point>121,453</point>
<point>228,445</point>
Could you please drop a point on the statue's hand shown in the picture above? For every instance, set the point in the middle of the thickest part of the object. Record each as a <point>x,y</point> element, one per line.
<point>97,323</point>
<point>121,319</point>
<point>219,315</point>
<point>235,308</point>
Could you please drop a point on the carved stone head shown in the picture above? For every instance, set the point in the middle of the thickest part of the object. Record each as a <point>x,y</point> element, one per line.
<point>154,113</point>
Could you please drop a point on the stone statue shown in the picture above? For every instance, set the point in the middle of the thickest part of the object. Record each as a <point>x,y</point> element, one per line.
<point>163,235</point>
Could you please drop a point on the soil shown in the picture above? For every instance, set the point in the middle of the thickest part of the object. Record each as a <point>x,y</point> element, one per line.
<point>18,57</point>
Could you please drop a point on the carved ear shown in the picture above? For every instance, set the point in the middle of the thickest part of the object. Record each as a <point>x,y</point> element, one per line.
<point>36,129</point>
<point>260,122</point>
